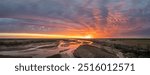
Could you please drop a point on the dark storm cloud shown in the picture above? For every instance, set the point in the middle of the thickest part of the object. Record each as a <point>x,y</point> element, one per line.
<point>51,16</point>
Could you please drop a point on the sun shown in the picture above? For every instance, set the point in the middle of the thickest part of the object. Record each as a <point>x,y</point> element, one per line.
<point>88,36</point>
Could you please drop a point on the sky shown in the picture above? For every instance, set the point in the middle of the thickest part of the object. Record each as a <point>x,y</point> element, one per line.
<point>74,18</point>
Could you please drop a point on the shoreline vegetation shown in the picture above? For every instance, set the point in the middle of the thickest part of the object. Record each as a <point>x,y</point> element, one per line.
<point>100,48</point>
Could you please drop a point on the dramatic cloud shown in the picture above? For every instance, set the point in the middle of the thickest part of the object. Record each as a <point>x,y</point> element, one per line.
<point>100,18</point>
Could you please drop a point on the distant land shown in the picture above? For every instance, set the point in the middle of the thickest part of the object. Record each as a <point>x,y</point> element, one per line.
<point>75,48</point>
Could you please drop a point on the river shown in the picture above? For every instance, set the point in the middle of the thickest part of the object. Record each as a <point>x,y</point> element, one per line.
<point>63,47</point>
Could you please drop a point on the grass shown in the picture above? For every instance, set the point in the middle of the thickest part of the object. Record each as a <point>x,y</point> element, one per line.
<point>16,42</point>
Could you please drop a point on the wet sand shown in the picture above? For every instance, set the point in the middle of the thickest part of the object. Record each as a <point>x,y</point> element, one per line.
<point>74,48</point>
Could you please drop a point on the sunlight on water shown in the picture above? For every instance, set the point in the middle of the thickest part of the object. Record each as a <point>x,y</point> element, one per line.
<point>61,47</point>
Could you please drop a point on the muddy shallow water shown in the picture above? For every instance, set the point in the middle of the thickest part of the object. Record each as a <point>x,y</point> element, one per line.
<point>42,49</point>
<point>71,48</point>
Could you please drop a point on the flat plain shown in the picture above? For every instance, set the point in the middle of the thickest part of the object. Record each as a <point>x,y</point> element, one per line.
<point>75,48</point>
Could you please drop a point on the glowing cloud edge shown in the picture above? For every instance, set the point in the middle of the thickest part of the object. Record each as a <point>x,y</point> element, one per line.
<point>34,35</point>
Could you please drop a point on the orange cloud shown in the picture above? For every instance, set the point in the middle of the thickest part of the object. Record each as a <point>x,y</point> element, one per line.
<point>30,35</point>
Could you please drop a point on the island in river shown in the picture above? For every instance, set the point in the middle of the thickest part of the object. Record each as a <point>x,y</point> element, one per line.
<point>75,48</point>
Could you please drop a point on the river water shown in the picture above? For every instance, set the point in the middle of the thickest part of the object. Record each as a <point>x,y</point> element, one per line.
<point>62,47</point>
